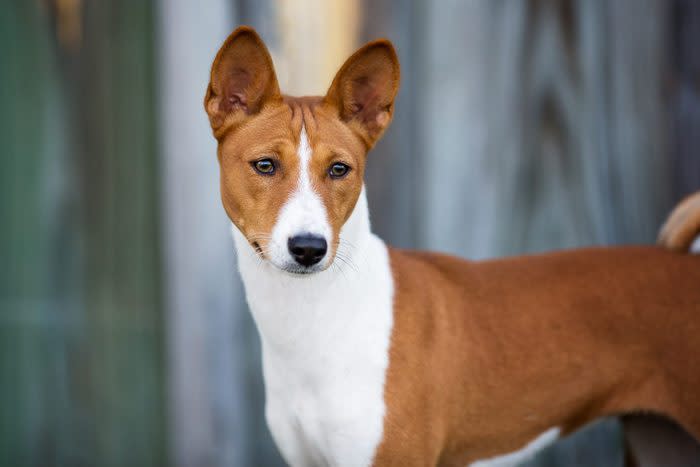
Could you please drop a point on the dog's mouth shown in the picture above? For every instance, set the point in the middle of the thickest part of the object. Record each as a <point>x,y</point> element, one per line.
<point>294,270</point>
<point>300,271</point>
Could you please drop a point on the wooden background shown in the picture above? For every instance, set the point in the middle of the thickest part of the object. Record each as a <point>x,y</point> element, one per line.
<point>124,335</point>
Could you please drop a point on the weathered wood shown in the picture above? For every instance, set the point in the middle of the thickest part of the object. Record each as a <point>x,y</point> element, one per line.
<point>111,90</point>
<point>393,176</point>
<point>207,321</point>
<point>34,312</point>
<point>685,96</point>
<point>79,318</point>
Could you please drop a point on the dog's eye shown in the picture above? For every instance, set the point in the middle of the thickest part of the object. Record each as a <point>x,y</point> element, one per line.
<point>264,166</point>
<point>338,170</point>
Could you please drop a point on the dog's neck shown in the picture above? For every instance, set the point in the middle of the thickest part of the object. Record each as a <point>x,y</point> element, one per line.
<point>288,308</point>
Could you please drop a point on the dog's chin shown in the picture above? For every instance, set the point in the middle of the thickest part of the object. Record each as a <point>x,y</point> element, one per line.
<point>301,271</point>
<point>297,270</point>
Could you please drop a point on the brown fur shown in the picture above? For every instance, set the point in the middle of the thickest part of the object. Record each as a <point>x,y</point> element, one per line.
<point>487,355</point>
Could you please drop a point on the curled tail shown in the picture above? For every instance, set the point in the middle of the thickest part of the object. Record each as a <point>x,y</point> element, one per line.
<point>682,226</point>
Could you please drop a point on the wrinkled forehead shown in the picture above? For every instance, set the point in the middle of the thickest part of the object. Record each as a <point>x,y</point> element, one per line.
<point>279,127</point>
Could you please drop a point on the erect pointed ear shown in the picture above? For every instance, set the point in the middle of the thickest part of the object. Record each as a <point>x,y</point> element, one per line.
<point>242,79</point>
<point>365,87</point>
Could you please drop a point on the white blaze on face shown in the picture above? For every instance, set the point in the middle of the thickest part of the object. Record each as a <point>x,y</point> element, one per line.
<point>303,213</point>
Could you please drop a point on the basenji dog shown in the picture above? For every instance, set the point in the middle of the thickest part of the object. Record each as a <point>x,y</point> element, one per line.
<point>379,356</point>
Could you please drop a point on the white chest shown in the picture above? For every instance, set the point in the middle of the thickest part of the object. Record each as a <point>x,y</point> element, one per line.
<point>325,405</point>
<point>325,352</point>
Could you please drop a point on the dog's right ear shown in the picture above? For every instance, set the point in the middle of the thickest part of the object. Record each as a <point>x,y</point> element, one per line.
<point>242,80</point>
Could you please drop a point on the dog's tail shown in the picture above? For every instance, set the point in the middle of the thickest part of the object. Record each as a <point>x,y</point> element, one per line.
<point>683,225</point>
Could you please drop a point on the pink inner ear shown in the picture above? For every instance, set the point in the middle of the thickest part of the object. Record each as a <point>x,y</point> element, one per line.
<point>234,92</point>
<point>367,103</point>
<point>365,99</point>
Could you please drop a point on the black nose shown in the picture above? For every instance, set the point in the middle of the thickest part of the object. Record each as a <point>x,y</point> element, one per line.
<point>307,250</point>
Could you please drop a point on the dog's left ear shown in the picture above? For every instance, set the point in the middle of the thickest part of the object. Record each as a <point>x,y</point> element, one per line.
<point>364,89</point>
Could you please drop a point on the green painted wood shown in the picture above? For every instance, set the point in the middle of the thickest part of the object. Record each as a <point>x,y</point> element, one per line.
<point>81,361</point>
<point>115,88</point>
<point>33,298</point>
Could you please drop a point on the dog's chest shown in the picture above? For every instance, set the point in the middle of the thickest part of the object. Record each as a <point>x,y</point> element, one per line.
<point>330,410</point>
<point>325,355</point>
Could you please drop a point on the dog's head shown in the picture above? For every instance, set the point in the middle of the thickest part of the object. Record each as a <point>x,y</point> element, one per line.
<point>292,168</point>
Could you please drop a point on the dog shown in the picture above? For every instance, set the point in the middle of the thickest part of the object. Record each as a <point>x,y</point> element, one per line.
<point>386,357</point>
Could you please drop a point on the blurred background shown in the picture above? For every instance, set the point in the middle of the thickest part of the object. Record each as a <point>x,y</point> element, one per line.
<point>125,340</point>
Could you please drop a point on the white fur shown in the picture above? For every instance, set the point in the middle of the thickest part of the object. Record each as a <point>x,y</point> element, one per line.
<point>303,213</point>
<point>515,458</point>
<point>325,336</point>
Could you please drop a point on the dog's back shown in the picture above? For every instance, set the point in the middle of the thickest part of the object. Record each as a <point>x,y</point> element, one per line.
<point>564,337</point>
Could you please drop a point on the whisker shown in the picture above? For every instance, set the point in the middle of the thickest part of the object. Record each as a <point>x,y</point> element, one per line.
<point>346,242</point>
<point>348,256</point>
<point>347,261</point>
<point>337,266</point>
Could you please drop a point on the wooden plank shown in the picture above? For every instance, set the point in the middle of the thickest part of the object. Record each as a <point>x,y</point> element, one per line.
<point>685,96</point>
<point>111,85</point>
<point>37,296</point>
<point>208,325</point>
<point>638,32</point>
<point>79,316</point>
<point>394,167</point>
